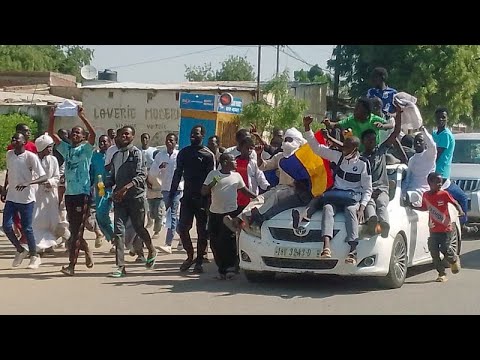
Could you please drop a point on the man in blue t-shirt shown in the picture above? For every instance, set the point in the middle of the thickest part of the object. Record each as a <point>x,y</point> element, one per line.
<point>78,155</point>
<point>445,142</point>
<point>381,90</point>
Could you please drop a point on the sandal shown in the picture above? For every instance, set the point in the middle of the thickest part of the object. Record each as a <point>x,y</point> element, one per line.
<point>351,258</point>
<point>150,263</point>
<point>326,253</point>
<point>89,259</point>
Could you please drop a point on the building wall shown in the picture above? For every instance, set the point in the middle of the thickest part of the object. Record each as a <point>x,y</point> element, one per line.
<point>315,96</point>
<point>18,78</point>
<point>153,112</point>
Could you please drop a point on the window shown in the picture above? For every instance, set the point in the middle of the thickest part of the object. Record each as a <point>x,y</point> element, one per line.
<point>467,152</point>
<point>110,94</point>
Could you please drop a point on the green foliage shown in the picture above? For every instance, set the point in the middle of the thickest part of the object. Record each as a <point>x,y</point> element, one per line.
<point>315,74</point>
<point>200,73</point>
<point>287,113</point>
<point>438,75</point>
<point>66,59</point>
<point>7,129</point>
<point>235,68</point>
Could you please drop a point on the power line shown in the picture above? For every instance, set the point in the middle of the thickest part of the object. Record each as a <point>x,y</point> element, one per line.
<point>299,58</point>
<point>169,58</point>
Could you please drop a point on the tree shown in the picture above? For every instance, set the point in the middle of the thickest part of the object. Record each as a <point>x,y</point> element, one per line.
<point>200,73</point>
<point>288,112</point>
<point>438,75</point>
<point>235,68</point>
<point>67,59</point>
<point>8,123</point>
<point>315,74</point>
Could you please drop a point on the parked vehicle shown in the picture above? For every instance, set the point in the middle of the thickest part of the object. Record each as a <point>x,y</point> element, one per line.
<point>278,248</point>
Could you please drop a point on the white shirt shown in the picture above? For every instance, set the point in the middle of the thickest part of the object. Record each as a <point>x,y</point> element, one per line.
<point>224,193</point>
<point>148,155</point>
<point>420,165</point>
<point>23,169</point>
<point>109,154</point>
<point>353,174</point>
<point>165,174</point>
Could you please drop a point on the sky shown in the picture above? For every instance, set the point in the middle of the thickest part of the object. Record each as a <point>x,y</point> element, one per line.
<point>166,63</point>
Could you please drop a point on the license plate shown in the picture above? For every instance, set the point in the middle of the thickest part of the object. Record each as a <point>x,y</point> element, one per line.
<point>297,253</point>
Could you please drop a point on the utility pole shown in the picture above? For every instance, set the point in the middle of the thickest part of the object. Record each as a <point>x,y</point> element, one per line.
<point>278,59</point>
<point>336,83</point>
<point>258,71</point>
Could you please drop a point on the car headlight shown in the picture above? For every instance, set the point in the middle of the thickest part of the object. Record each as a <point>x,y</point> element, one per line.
<point>253,231</point>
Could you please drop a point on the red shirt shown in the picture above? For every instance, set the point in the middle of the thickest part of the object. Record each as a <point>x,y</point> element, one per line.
<point>437,206</point>
<point>242,199</point>
<point>29,146</point>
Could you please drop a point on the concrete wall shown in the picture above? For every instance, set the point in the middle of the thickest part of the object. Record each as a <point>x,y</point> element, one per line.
<point>153,112</point>
<point>315,96</point>
<point>67,92</point>
<point>15,78</point>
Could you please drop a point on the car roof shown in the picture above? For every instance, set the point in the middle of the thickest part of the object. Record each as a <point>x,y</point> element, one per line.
<point>467,136</point>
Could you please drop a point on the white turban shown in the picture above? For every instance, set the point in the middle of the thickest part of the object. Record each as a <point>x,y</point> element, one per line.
<point>289,148</point>
<point>42,142</point>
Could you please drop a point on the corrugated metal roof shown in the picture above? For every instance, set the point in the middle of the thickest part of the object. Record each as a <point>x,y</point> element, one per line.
<point>14,98</point>
<point>187,86</point>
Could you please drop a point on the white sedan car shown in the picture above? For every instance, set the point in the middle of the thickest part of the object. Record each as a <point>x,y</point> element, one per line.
<point>281,249</point>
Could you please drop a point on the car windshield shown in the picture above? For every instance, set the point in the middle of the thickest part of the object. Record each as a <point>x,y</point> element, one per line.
<point>467,152</point>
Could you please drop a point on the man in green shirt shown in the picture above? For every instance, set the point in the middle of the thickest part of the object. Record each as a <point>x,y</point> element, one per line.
<point>361,120</point>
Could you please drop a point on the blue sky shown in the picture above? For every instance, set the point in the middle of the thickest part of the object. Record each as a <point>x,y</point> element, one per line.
<point>166,63</point>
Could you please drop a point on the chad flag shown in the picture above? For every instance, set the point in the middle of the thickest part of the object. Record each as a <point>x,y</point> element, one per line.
<point>305,165</point>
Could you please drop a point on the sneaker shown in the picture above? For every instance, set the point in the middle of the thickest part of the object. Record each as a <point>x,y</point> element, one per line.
<point>118,272</point>
<point>112,250</point>
<point>19,257</point>
<point>470,229</point>
<point>180,247</point>
<point>35,262</point>
<point>156,235</point>
<point>99,241</point>
<point>186,264</point>
<point>198,269</point>
<point>441,278</point>
<point>67,270</point>
<point>166,249</point>
<point>455,267</point>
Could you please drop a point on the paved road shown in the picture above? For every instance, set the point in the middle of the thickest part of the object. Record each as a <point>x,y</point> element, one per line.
<point>165,291</point>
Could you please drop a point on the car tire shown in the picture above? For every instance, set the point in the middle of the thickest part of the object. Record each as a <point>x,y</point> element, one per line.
<point>456,239</point>
<point>397,271</point>
<point>259,276</point>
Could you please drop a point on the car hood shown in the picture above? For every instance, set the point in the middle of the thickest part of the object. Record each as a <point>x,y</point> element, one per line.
<point>287,215</point>
<point>465,171</point>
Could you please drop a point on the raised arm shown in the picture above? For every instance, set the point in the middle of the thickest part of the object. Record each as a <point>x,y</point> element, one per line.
<point>91,131</point>
<point>51,127</point>
<point>319,149</point>
<point>398,127</point>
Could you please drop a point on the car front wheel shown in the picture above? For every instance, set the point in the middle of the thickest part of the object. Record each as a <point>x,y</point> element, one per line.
<point>398,265</point>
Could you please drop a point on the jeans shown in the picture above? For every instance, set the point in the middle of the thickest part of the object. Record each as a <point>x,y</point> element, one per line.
<point>103,206</point>
<point>173,214</point>
<point>378,206</point>
<point>351,221</point>
<point>26,215</point>
<point>155,214</point>
<point>441,242</point>
<point>459,195</point>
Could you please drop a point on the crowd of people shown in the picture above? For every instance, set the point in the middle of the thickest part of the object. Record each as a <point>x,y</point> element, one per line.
<point>64,182</point>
